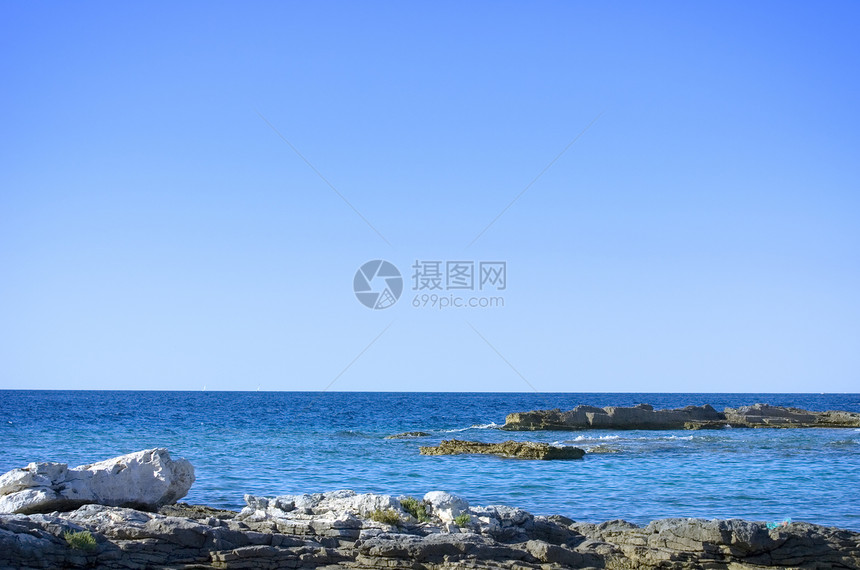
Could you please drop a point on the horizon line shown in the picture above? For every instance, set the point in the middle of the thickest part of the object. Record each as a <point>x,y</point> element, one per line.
<point>386,391</point>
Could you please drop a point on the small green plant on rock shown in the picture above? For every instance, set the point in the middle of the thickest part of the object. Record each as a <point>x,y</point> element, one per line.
<point>388,516</point>
<point>462,520</point>
<point>81,540</point>
<point>416,508</point>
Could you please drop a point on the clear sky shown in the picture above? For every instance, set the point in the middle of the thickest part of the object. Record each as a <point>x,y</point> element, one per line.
<point>703,234</point>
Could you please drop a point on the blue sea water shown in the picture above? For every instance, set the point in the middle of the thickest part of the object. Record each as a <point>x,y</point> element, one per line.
<point>270,443</point>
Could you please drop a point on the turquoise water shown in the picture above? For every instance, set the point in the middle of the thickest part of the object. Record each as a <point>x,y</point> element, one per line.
<point>270,443</point>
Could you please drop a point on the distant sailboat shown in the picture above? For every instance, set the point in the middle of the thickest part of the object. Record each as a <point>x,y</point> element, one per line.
<point>204,387</point>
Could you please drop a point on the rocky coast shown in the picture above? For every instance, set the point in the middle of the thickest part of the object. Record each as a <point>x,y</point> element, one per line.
<point>344,529</point>
<point>645,416</point>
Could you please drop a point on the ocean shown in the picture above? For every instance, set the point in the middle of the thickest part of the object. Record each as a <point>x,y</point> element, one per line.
<point>271,443</point>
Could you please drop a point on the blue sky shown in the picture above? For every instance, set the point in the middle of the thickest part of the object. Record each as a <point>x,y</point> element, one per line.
<point>701,235</point>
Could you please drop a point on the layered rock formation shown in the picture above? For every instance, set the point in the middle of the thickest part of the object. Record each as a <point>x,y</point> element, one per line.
<point>763,415</point>
<point>144,480</point>
<point>644,416</point>
<point>333,530</point>
<point>517,449</point>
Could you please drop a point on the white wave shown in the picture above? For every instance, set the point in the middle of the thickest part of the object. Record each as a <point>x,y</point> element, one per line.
<point>665,437</point>
<point>590,438</point>
<point>491,425</point>
<point>844,442</point>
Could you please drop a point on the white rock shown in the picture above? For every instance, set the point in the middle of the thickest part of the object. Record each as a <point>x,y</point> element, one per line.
<point>332,505</point>
<point>362,505</point>
<point>445,505</point>
<point>146,479</point>
<point>20,501</point>
<point>34,475</point>
<point>489,525</point>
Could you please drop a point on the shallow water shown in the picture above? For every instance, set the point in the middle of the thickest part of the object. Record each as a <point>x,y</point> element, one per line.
<point>270,443</point>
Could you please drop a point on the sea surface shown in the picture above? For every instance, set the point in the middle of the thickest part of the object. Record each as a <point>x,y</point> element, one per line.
<point>271,443</point>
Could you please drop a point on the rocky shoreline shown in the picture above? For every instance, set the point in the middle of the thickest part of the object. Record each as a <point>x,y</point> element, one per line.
<point>645,416</point>
<point>343,529</point>
<point>122,514</point>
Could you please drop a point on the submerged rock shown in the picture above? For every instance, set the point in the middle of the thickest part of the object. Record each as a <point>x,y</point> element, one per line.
<point>645,416</point>
<point>518,449</point>
<point>144,480</point>
<point>408,434</point>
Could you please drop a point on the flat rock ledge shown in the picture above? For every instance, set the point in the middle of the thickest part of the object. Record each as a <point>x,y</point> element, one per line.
<point>337,530</point>
<point>144,480</point>
<point>645,416</point>
<point>515,449</point>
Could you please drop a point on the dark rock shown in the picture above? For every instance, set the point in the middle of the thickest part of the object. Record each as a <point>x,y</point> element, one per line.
<point>718,424</point>
<point>517,449</point>
<point>408,435</point>
<point>436,548</point>
<point>644,416</point>
<point>195,511</point>
<point>554,554</point>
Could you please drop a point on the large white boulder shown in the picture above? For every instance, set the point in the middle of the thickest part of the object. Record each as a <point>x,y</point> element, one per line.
<point>445,505</point>
<point>145,480</point>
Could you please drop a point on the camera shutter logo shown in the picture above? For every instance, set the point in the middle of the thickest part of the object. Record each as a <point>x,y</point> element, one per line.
<point>377,284</point>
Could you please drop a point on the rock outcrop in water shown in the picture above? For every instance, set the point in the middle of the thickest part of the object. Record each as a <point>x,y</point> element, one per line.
<point>763,415</point>
<point>644,416</point>
<point>144,480</point>
<point>334,530</point>
<point>408,435</point>
<point>517,449</point>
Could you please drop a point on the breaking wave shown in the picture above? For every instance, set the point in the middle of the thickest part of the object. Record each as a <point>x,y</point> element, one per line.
<point>491,425</point>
